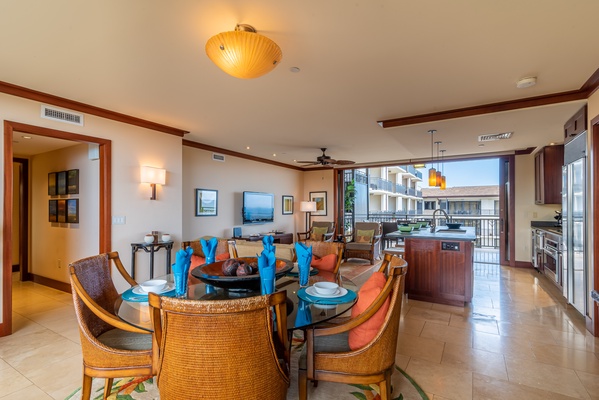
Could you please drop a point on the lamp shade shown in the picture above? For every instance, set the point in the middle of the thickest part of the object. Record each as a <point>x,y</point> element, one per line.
<point>432,177</point>
<point>243,53</point>
<point>443,183</point>
<point>153,175</point>
<point>308,206</point>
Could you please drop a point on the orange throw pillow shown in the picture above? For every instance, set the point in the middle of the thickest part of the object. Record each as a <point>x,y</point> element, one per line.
<point>363,334</point>
<point>197,260</point>
<point>326,263</point>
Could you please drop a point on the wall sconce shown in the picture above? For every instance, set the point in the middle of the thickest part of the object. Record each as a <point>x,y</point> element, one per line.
<point>153,176</point>
<point>308,207</point>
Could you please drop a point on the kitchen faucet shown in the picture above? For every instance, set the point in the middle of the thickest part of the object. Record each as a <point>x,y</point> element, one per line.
<point>434,221</point>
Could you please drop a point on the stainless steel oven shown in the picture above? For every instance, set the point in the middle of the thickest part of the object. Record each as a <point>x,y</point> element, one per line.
<point>536,248</point>
<point>552,258</point>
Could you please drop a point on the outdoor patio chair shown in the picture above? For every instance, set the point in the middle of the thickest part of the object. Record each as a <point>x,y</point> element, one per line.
<point>364,242</point>
<point>320,231</point>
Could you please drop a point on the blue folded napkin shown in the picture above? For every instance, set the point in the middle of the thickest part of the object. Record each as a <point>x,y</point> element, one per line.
<point>304,259</point>
<point>303,316</point>
<point>267,242</point>
<point>209,249</point>
<point>181,270</point>
<point>266,268</point>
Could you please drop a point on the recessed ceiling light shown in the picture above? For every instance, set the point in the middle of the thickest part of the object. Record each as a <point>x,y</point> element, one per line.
<point>247,147</point>
<point>526,82</point>
<point>295,70</point>
<point>26,137</point>
<point>274,154</point>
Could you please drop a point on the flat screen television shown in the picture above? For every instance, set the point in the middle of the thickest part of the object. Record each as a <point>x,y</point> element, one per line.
<point>258,208</point>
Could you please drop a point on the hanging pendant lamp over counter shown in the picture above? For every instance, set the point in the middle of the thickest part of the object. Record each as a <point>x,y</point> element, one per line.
<point>432,172</point>
<point>243,53</point>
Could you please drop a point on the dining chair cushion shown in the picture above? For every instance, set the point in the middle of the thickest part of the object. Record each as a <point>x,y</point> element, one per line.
<point>326,263</point>
<point>319,232</point>
<point>124,340</point>
<point>363,334</point>
<point>364,236</point>
<point>328,344</point>
<point>197,260</point>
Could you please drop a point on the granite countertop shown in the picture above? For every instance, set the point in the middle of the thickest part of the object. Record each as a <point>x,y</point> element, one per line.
<point>466,233</point>
<point>549,226</point>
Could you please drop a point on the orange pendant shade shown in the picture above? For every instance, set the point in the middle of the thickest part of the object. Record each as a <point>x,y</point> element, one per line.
<point>432,177</point>
<point>439,179</point>
<point>443,183</point>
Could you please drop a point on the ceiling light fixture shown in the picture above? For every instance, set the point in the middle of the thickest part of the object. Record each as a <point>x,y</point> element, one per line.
<point>526,82</point>
<point>432,172</point>
<point>443,184</point>
<point>243,53</point>
<point>439,175</point>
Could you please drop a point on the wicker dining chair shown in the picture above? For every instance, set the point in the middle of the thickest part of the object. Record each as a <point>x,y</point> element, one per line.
<point>221,349</point>
<point>324,249</point>
<point>369,247</point>
<point>111,348</point>
<point>327,355</point>
<point>326,227</point>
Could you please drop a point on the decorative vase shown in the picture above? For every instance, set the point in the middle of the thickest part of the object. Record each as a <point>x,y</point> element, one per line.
<point>166,237</point>
<point>149,238</point>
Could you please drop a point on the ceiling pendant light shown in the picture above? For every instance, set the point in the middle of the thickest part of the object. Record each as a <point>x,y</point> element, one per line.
<point>432,172</point>
<point>243,53</point>
<point>439,176</point>
<point>443,180</point>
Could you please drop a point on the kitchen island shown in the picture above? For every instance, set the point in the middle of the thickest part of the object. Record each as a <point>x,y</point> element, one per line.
<point>440,265</point>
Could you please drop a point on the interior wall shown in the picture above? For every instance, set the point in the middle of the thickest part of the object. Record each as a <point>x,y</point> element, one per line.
<point>526,209</point>
<point>231,178</point>
<point>132,147</point>
<point>320,181</point>
<point>54,245</point>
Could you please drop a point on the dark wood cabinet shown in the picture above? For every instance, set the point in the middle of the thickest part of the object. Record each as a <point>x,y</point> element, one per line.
<point>548,175</point>
<point>439,275</point>
<point>283,238</point>
<point>576,125</point>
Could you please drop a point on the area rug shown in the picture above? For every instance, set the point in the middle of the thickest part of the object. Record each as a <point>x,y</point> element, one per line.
<point>404,387</point>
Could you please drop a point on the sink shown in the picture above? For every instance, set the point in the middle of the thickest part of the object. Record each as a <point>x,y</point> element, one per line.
<point>451,230</point>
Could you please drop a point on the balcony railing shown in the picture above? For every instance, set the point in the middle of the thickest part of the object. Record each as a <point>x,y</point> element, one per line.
<point>486,228</point>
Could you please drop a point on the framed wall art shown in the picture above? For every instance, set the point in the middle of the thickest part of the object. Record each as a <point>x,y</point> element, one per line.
<point>52,211</point>
<point>61,211</point>
<point>73,211</point>
<point>287,205</point>
<point>320,198</point>
<point>61,182</point>
<point>52,184</point>
<point>73,181</point>
<point>206,203</point>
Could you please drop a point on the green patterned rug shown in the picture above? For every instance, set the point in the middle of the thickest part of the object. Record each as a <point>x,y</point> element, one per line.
<point>404,387</point>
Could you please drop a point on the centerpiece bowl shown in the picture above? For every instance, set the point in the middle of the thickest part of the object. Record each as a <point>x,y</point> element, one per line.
<point>453,225</point>
<point>212,274</point>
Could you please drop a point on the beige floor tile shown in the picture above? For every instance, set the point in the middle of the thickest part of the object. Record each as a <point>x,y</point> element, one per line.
<point>546,377</point>
<point>402,361</point>
<point>475,322</point>
<point>31,392</point>
<point>13,345</point>
<point>508,346</point>
<point>27,361</point>
<point>429,315</point>
<point>24,326</point>
<point>526,332</point>
<point>469,359</point>
<point>559,356</point>
<point>421,348</point>
<point>417,303</point>
<point>12,381</point>
<point>489,388</point>
<point>447,334</point>
<point>451,383</point>
<point>411,326</point>
<point>590,383</point>
<point>452,309</point>
<point>53,379</point>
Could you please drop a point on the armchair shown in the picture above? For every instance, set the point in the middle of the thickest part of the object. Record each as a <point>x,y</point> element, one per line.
<point>329,354</point>
<point>221,349</point>
<point>317,232</point>
<point>365,242</point>
<point>111,348</point>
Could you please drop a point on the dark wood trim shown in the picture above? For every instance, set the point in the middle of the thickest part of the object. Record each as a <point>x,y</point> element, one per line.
<point>485,109</point>
<point>593,324</point>
<point>46,98</point>
<point>24,219</point>
<point>58,285</point>
<point>524,152</point>
<point>206,147</point>
<point>523,264</point>
<point>104,212</point>
<point>6,325</point>
<point>592,84</point>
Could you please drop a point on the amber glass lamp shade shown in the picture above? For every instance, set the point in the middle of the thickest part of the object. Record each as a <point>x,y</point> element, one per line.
<point>432,177</point>
<point>243,53</point>
<point>443,183</point>
<point>439,179</point>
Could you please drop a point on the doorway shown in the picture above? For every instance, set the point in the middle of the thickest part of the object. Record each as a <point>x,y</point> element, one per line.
<point>104,146</point>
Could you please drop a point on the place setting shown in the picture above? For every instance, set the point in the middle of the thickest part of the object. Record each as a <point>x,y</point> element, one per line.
<point>327,294</point>
<point>140,292</point>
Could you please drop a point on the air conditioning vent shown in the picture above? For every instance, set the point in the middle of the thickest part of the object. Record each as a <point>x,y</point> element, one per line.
<point>218,157</point>
<point>496,136</point>
<point>57,114</point>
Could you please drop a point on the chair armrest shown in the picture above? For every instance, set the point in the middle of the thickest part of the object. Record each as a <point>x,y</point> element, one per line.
<point>306,236</point>
<point>328,237</point>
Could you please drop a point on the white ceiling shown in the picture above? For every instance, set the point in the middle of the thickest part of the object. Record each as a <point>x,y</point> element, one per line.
<point>361,62</point>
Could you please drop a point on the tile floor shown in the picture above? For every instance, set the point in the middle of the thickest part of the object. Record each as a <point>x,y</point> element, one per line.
<point>517,340</point>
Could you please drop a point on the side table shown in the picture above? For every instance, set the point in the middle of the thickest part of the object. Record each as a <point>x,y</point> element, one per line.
<point>151,248</point>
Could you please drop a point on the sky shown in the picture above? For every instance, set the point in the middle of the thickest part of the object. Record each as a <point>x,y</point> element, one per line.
<point>466,173</point>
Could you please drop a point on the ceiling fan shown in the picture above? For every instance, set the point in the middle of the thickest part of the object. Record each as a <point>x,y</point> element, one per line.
<point>326,161</point>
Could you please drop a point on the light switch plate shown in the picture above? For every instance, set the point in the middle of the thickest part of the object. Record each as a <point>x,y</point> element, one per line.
<point>119,220</point>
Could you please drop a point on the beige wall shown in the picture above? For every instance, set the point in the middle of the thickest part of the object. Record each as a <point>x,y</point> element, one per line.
<point>319,181</point>
<point>231,178</point>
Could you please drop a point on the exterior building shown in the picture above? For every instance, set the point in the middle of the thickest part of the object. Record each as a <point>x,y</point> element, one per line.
<point>464,200</point>
<point>394,189</point>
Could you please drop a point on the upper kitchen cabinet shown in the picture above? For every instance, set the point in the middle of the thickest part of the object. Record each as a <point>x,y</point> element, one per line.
<point>548,175</point>
<point>576,124</point>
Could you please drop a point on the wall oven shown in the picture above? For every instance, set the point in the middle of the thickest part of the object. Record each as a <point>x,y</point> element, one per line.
<point>552,258</point>
<point>536,247</point>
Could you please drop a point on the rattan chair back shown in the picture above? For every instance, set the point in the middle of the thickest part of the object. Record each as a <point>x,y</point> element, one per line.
<point>221,349</point>
<point>321,249</point>
<point>196,245</point>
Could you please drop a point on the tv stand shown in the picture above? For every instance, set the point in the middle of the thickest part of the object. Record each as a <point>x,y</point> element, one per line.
<point>283,238</point>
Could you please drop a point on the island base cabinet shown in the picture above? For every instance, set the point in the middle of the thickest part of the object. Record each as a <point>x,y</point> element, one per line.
<point>438,272</point>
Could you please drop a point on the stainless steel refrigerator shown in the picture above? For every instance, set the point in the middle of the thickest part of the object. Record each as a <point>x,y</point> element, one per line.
<point>575,274</point>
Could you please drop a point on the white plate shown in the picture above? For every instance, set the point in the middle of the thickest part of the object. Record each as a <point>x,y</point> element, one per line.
<point>138,290</point>
<point>312,292</point>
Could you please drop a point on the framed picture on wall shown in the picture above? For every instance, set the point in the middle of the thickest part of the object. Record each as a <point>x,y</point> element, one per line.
<point>61,182</point>
<point>52,184</point>
<point>73,211</point>
<point>61,210</point>
<point>73,181</point>
<point>206,203</point>
<point>287,205</point>
<point>52,211</point>
<point>320,198</point>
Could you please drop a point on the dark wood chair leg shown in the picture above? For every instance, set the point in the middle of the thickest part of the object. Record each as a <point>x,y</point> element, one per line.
<point>108,387</point>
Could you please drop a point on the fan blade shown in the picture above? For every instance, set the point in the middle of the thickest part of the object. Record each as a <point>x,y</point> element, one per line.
<point>330,161</point>
<point>344,162</point>
<point>308,162</point>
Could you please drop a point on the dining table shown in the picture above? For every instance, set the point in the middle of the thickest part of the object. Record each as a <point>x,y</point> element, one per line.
<point>303,310</point>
